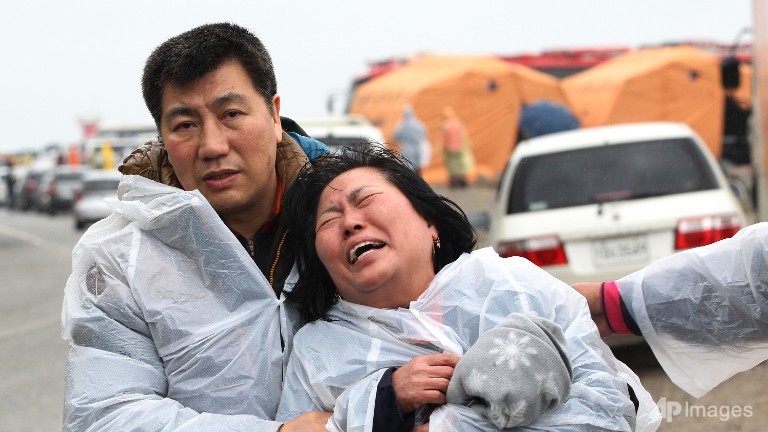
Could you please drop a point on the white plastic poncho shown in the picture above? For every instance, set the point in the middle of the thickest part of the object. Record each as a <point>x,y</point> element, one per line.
<point>337,365</point>
<point>704,311</point>
<point>172,325</point>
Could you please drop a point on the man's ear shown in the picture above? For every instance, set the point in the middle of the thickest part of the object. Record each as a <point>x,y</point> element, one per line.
<point>276,118</point>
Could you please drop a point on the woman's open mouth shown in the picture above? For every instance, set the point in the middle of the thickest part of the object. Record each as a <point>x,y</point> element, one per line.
<point>363,249</point>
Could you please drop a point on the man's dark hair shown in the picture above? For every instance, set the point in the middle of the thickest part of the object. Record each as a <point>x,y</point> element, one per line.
<point>194,53</point>
<point>315,292</point>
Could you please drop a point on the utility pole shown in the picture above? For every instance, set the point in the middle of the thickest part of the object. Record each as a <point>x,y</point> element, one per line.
<point>760,104</point>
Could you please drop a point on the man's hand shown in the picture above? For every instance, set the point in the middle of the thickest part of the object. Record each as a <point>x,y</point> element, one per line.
<point>312,421</point>
<point>421,428</point>
<point>592,292</point>
<point>423,380</point>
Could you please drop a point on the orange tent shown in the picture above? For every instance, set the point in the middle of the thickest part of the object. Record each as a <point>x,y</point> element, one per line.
<point>665,84</point>
<point>485,92</point>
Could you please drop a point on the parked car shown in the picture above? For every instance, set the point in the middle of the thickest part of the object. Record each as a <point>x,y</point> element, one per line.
<point>29,187</point>
<point>596,204</point>
<point>57,189</point>
<point>19,173</point>
<point>5,172</point>
<point>342,131</point>
<point>89,203</point>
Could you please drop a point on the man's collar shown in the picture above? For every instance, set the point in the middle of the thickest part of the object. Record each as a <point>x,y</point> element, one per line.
<point>276,208</point>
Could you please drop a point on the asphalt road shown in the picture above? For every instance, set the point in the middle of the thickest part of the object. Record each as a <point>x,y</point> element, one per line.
<point>35,263</point>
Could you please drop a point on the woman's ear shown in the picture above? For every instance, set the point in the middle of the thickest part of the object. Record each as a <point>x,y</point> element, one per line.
<point>433,231</point>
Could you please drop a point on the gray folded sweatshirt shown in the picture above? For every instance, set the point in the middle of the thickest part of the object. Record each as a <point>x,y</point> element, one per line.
<point>515,371</point>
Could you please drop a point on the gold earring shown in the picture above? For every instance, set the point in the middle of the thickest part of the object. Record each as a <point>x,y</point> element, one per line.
<point>435,245</point>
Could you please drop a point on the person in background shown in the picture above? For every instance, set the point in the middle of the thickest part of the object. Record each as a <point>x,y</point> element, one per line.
<point>10,184</point>
<point>457,150</point>
<point>73,156</point>
<point>390,277</point>
<point>410,135</point>
<point>174,310</point>
<point>703,311</point>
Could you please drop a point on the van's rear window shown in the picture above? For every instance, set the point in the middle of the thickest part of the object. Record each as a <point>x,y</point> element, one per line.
<point>609,173</point>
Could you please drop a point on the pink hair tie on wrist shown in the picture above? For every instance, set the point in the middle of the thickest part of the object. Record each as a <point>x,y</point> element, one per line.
<point>612,308</point>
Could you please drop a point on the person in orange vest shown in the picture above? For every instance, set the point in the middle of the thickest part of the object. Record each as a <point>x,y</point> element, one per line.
<point>457,149</point>
<point>74,156</point>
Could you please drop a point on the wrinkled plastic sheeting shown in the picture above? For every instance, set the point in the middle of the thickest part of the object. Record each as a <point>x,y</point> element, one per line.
<point>164,297</point>
<point>337,365</point>
<point>704,311</point>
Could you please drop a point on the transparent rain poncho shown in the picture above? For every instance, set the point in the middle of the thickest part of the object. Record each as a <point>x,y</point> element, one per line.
<point>337,365</point>
<point>704,311</point>
<point>172,325</point>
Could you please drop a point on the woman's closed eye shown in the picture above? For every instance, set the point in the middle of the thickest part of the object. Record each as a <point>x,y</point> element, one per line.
<point>327,221</point>
<point>366,199</point>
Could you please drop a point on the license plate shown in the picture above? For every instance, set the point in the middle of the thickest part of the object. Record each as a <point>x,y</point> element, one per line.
<point>620,250</point>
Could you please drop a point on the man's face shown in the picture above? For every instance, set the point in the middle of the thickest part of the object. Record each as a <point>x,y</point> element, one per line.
<point>221,139</point>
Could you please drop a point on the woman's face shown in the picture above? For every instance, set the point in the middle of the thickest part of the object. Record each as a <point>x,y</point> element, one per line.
<point>375,246</point>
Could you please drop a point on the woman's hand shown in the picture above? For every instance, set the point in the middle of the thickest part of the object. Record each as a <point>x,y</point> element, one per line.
<point>593,293</point>
<point>423,380</point>
<point>313,421</point>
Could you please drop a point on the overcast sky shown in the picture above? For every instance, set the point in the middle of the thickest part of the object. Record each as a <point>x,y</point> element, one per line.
<point>66,60</point>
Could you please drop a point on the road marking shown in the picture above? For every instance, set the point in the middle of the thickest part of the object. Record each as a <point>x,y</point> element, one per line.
<point>29,328</point>
<point>34,240</point>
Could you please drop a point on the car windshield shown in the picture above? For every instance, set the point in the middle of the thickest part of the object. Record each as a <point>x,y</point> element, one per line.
<point>609,173</point>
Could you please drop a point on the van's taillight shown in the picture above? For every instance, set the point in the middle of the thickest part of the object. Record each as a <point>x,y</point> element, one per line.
<point>700,231</point>
<point>78,195</point>
<point>542,251</point>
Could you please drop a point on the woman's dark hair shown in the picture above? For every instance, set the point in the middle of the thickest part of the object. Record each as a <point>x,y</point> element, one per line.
<point>315,292</point>
<point>196,52</point>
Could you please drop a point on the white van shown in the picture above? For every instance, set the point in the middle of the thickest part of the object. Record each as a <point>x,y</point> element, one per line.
<point>599,203</point>
<point>342,131</point>
<point>596,204</point>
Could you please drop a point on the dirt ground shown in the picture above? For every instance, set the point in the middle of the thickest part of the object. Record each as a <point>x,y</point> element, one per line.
<point>739,404</point>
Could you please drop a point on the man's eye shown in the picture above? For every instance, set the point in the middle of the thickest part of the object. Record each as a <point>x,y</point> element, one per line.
<point>183,126</point>
<point>232,114</point>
